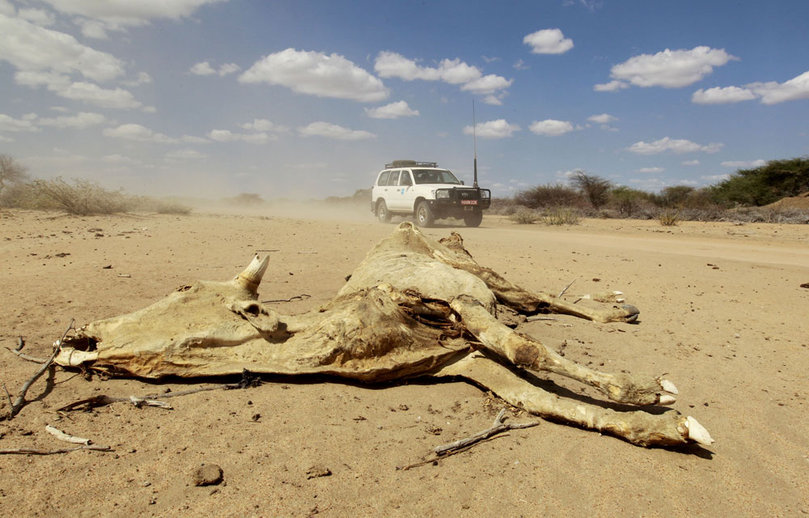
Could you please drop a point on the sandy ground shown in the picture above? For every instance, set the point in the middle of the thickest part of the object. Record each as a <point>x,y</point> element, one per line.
<point>722,312</point>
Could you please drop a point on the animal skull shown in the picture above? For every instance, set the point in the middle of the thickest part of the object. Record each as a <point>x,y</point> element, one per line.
<point>413,307</point>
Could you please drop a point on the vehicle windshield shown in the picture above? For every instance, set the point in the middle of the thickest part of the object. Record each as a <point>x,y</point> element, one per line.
<point>434,176</point>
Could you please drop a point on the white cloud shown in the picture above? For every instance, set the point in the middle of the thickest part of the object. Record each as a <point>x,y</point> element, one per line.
<point>138,133</point>
<point>29,47</point>
<point>392,111</point>
<point>264,125</point>
<point>315,73</point>
<point>6,8</point>
<point>205,69</point>
<point>488,84</point>
<point>602,118</point>
<point>612,86</point>
<point>548,41</point>
<point>651,170</point>
<point>37,16</point>
<point>103,97</point>
<point>333,131</point>
<point>142,79</point>
<point>717,95</point>
<point>79,121</point>
<point>229,136</point>
<point>520,65</point>
<point>228,68</point>
<point>452,71</point>
<point>772,92</point>
<point>744,164</point>
<point>551,127</point>
<point>690,163</point>
<point>495,129</point>
<point>97,17</point>
<point>493,100</point>
<point>202,69</point>
<point>10,124</point>
<point>669,68</point>
<point>673,145</point>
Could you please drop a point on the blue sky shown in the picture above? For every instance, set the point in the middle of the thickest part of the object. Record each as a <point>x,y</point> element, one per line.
<point>306,99</point>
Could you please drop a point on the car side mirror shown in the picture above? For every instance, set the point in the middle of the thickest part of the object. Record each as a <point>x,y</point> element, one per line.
<point>462,183</point>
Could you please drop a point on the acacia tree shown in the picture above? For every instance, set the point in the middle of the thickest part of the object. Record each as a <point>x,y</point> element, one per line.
<point>11,171</point>
<point>594,188</point>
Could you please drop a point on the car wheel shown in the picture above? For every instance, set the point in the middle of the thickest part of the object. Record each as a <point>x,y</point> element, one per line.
<point>424,215</point>
<point>382,212</point>
<point>473,219</point>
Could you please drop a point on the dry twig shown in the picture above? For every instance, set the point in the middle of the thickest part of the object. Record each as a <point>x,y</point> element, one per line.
<point>445,450</point>
<point>20,401</point>
<point>33,451</point>
<point>152,399</point>
<point>302,296</point>
<point>498,426</point>
<point>565,290</point>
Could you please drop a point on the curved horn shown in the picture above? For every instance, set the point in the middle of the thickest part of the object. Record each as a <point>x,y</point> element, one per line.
<point>250,278</point>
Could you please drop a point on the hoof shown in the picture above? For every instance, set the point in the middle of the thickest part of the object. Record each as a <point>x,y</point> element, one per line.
<point>632,313</point>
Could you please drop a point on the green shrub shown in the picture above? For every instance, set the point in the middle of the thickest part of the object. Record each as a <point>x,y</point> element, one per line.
<point>764,185</point>
<point>543,196</point>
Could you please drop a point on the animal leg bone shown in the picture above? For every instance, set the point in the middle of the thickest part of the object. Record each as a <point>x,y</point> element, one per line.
<point>454,254</point>
<point>534,356</point>
<point>637,427</point>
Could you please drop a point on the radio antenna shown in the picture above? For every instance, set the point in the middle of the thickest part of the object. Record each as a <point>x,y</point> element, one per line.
<point>475,145</point>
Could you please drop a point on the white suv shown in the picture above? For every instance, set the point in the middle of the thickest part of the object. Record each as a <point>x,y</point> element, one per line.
<point>422,189</point>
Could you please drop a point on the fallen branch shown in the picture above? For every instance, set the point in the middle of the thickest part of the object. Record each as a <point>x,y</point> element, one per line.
<point>446,450</point>
<point>20,401</point>
<point>33,451</point>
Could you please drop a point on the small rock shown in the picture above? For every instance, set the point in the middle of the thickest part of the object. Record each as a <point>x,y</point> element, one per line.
<point>207,475</point>
<point>317,471</point>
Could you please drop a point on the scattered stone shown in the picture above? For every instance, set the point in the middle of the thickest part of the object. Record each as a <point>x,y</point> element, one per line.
<point>317,471</point>
<point>805,285</point>
<point>207,475</point>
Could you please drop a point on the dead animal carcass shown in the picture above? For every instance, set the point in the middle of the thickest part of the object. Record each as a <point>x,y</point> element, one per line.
<point>413,307</point>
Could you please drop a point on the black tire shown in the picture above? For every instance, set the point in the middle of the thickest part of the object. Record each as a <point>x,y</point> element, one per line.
<point>382,213</point>
<point>473,219</point>
<point>424,214</point>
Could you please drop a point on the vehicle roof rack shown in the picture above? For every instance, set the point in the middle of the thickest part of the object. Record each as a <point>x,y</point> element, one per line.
<point>410,163</point>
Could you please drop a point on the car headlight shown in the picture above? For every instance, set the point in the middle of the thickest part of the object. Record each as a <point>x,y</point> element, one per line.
<point>442,194</point>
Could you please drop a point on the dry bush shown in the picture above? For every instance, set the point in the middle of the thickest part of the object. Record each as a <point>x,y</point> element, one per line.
<point>561,216</point>
<point>161,206</point>
<point>524,216</point>
<point>768,215</point>
<point>81,198</point>
<point>669,218</point>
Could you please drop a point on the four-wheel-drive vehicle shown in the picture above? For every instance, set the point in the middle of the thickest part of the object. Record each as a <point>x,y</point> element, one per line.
<point>427,192</point>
